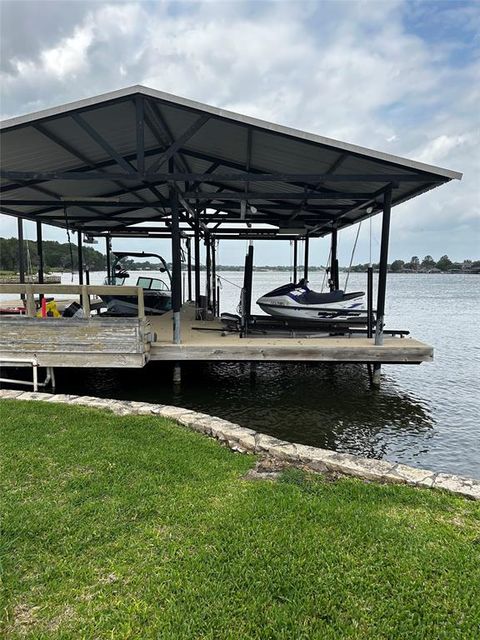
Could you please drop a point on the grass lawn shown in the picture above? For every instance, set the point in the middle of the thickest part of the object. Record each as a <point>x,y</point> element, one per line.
<point>133,527</point>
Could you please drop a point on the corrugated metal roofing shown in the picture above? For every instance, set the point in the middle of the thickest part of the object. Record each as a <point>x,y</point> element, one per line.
<point>57,140</point>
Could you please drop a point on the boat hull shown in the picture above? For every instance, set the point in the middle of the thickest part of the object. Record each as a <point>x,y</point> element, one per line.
<point>155,304</point>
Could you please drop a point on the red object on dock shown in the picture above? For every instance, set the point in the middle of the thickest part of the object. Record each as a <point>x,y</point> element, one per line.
<point>44,307</point>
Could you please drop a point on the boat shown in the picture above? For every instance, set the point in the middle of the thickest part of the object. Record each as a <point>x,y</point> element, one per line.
<point>298,301</point>
<point>157,294</point>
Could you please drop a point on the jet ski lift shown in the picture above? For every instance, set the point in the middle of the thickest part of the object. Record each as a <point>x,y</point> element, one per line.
<point>157,293</point>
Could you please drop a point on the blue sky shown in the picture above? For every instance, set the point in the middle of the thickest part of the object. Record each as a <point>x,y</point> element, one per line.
<point>402,77</point>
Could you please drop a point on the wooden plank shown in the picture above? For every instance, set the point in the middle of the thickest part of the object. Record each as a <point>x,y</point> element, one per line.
<point>297,353</point>
<point>19,335</point>
<point>86,360</point>
<point>93,289</point>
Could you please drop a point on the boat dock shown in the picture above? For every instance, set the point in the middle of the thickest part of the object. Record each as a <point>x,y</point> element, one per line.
<point>140,163</point>
<point>111,342</point>
<point>208,341</point>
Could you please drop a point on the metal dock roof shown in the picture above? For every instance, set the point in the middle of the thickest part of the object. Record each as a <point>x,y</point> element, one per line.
<point>104,164</point>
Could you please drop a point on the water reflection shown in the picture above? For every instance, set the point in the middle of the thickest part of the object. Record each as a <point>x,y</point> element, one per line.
<point>318,404</point>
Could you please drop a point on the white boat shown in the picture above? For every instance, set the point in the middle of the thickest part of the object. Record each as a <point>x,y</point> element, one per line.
<point>300,302</point>
<point>157,294</point>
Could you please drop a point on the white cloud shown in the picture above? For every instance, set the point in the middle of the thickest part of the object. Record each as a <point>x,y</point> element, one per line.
<point>349,70</point>
<point>70,56</point>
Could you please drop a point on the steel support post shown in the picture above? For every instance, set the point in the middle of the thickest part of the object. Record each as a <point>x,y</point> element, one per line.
<point>80,257</point>
<point>189,268</point>
<point>295,260</point>
<point>334,260</point>
<point>108,251</point>
<point>209,270</point>
<point>40,253</point>
<point>40,257</point>
<point>306,256</point>
<point>21,254</point>
<point>21,251</point>
<point>176,267</point>
<point>369,302</point>
<point>377,374</point>
<point>382,274</point>
<point>214,278</point>
<point>196,243</point>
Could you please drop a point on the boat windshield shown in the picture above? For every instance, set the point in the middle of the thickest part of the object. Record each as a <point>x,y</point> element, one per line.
<point>153,284</point>
<point>117,281</point>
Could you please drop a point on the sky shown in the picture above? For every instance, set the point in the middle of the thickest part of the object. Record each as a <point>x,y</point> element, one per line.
<point>398,76</point>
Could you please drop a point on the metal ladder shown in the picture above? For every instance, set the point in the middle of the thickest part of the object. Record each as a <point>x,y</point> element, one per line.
<point>25,362</point>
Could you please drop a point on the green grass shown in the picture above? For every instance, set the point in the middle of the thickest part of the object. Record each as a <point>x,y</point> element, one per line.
<point>133,527</point>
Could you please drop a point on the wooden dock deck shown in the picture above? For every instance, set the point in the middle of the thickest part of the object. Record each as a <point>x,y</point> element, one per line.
<point>213,345</point>
<point>108,342</point>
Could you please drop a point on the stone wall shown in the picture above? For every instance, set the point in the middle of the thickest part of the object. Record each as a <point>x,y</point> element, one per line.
<point>245,440</point>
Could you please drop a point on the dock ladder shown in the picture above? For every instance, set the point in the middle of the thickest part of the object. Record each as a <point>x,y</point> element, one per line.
<point>26,362</point>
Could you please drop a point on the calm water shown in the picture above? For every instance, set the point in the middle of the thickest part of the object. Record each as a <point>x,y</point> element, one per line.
<point>426,416</point>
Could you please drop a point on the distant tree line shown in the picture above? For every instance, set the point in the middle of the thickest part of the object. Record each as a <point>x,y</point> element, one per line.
<point>59,256</point>
<point>427,265</point>
<point>56,256</point>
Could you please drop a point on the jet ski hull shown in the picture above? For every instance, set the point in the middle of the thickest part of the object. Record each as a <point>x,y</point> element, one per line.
<point>300,302</point>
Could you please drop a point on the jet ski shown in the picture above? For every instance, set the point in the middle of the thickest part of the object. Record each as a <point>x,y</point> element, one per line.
<point>298,301</point>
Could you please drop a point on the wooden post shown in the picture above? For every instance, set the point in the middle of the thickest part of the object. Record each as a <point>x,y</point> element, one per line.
<point>30,302</point>
<point>382,275</point>
<point>305,265</point>
<point>140,303</point>
<point>85,300</point>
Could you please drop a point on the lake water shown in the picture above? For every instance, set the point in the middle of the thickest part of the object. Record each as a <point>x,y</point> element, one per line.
<point>426,416</point>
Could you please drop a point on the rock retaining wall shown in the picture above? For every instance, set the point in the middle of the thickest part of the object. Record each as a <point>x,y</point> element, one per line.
<point>246,440</point>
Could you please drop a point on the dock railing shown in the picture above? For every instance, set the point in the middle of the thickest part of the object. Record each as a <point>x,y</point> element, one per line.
<point>84,291</point>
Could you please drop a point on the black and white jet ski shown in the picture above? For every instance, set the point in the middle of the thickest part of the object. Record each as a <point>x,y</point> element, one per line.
<point>298,301</point>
